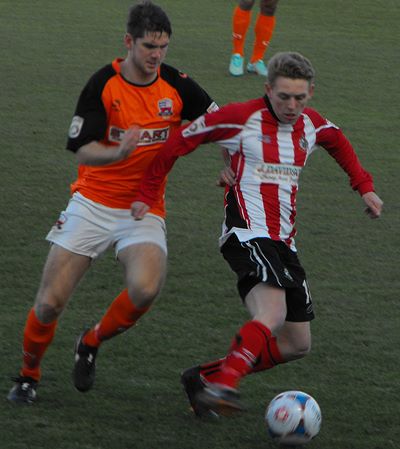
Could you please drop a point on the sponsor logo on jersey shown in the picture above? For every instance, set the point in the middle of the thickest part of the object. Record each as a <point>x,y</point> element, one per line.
<point>165,107</point>
<point>264,138</point>
<point>195,127</point>
<point>147,136</point>
<point>278,174</point>
<point>75,127</point>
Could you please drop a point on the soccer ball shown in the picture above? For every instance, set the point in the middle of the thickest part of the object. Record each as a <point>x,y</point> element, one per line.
<point>293,418</point>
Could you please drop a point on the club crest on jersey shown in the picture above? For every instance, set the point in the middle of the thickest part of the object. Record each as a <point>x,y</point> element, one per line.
<point>165,107</point>
<point>303,143</point>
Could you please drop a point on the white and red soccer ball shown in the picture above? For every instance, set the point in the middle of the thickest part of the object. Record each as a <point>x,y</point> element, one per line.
<point>293,418</point>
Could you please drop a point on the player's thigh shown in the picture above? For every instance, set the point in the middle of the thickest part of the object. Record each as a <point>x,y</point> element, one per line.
<point>145,266</point>
<point>85,227</point>
<point>62,272</point>
<point>295,338</point>
<point>267,304</point>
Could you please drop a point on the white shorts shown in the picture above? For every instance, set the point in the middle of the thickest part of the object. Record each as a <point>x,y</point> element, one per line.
<point>89,228</point>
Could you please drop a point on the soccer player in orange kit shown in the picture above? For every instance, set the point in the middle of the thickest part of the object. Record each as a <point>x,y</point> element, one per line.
<point>263,30</point>
<point>123,116</point>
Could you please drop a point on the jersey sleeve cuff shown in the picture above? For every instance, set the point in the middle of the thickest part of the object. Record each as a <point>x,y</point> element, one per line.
<point>365,187</point>
<point>145,199</point>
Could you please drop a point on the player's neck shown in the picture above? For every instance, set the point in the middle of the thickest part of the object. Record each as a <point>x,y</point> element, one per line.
<point>134,75</point>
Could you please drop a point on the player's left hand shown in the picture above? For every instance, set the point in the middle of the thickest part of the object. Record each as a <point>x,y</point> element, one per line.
<point>374,204</point>
<point>226,177</point>
<point>139,210</point>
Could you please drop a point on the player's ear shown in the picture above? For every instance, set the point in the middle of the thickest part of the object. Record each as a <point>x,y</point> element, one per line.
<point>311,90</point>
<point>267,88</point>
<point>128,41</point>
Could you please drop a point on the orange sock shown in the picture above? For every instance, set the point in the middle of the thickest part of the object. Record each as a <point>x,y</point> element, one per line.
<point>37,338</point>
<point>240,24</point>
<point>120,316</point>
<point>263,29</point>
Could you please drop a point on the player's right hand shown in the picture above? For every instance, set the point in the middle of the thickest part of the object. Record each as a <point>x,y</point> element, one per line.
<point>129,143</point>
<point>139,210</point>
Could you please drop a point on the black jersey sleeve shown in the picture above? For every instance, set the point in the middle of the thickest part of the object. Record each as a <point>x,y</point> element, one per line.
<point>195,99</point>
<point>90,118</point>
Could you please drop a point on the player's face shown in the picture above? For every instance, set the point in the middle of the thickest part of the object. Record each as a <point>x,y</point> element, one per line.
<point>289,97</point>
<point>147,53</point>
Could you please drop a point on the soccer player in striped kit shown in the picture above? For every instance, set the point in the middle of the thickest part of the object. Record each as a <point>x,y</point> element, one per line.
<point>269,140</point>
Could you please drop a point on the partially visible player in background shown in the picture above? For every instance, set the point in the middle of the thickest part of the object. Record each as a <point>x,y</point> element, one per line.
<point>263,30</point>
<point>123,116</point>
<point>269,140</point>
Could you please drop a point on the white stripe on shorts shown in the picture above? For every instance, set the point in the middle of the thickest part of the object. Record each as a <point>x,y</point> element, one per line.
<point>260,258</point>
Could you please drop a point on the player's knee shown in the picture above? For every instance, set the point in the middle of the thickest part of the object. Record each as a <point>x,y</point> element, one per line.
<point>268,7</point>
<point>143,293</point>
<point>47,312</point>
<point>50,302</point>
<point>301,349</point>
<point>246,5</point>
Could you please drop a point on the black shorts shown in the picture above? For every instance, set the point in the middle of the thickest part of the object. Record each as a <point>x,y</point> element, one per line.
<point>273,262</point>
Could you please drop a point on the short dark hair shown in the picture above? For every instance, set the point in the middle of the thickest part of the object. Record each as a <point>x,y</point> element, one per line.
<point>290,65</point>
<point>147,17</point>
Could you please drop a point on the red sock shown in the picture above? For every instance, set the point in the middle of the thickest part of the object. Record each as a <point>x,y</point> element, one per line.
<point>253,349</point>
<point>37,338</point>
<point>120,316</point>
<point>211,370</point>
<point>270,358</point>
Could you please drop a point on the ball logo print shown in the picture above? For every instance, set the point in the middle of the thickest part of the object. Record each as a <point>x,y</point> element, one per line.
<point>293,418</point>
<point>281,414</point>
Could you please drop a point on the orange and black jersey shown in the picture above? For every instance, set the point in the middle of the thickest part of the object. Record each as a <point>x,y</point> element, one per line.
<point>108,106</point>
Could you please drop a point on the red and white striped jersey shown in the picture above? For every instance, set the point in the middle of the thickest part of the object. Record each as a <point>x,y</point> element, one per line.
<point>267,157</point>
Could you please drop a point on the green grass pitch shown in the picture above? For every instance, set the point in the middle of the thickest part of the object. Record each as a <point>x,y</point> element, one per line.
<point>48,50</point>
